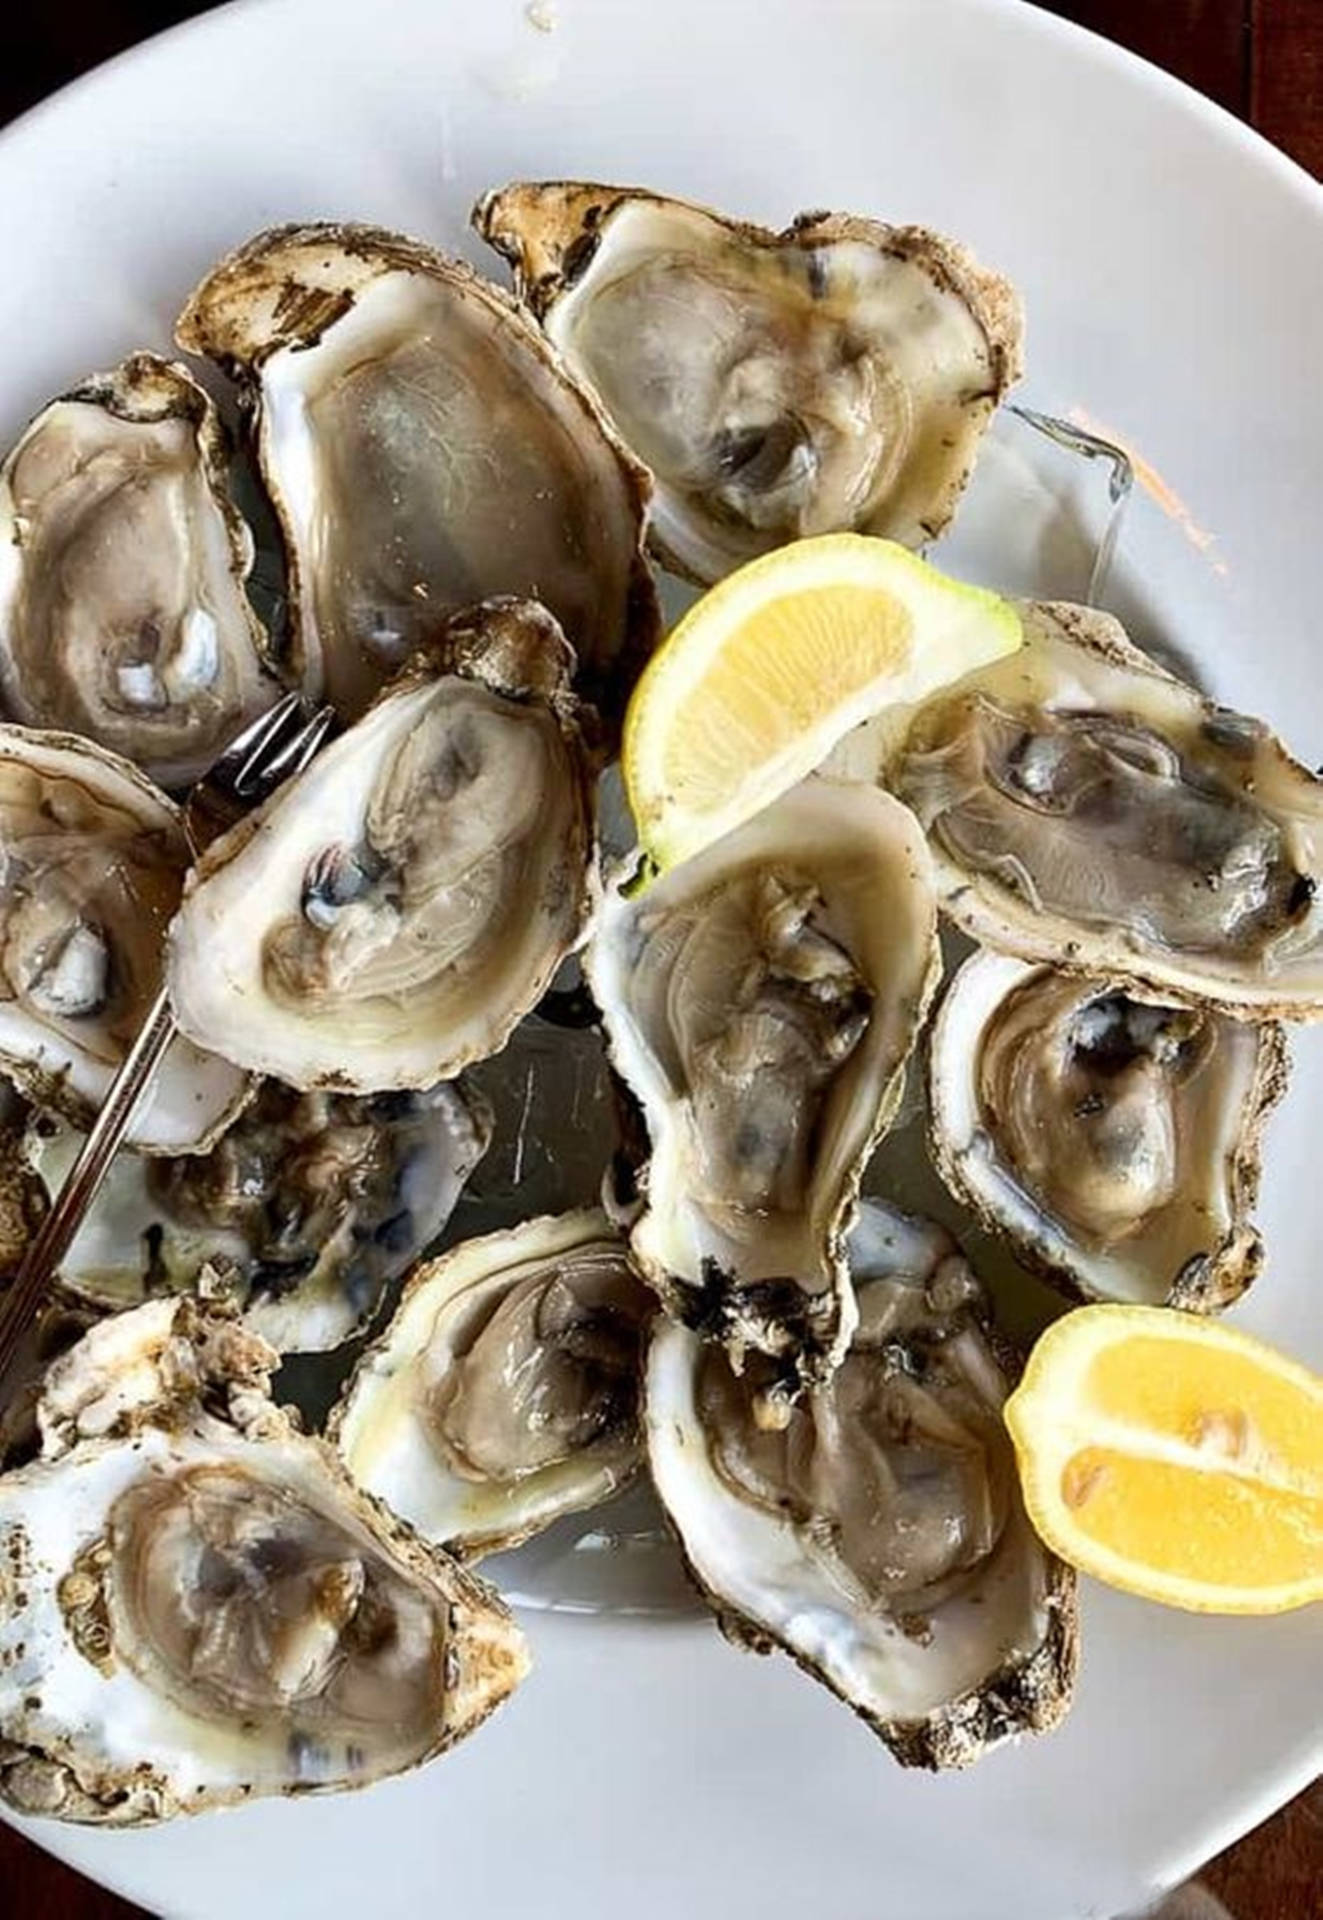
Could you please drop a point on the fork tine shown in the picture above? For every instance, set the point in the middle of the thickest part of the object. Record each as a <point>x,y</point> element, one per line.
<point>257,739</point>
<point>289,759</point>
<point>246,759</point>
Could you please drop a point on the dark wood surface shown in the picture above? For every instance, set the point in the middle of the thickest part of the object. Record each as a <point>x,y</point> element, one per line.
<point>1262,59</point>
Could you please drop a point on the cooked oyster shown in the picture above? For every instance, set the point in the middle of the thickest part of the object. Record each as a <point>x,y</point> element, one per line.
<point>1086,809</point>
<point>505,1391</point>
<point>761,1000</point>
<point>879,1539</point>
<point>388,917</point>
<point>302,1213</point>
<point>197,1605</point>
<point>837,375</point>
<point>92,864</point>
<point>423,450</point>
<point>122,567</point>
<point>1113,1138</point>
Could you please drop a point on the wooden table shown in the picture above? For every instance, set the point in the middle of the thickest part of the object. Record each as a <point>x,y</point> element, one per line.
<point>1261,58</point>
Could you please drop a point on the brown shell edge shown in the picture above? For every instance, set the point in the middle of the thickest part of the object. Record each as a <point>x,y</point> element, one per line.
<point>36,1779</point>
<point>471,1549</point>
<point>566,710</point>
<point>549,231</point>
<point>1101,634</point>
<point>1032,1694</point>
<point>216,322</point>
<point>1208,1284</point>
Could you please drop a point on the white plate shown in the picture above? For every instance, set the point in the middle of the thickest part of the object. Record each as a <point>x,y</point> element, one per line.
<point>1173,268</point>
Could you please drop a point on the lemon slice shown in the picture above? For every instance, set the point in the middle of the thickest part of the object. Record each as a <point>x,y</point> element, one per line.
<point>1175,1458</point>
<point>771,668</point>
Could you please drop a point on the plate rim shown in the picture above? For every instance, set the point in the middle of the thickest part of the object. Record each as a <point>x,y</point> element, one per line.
<point>1254,150</point>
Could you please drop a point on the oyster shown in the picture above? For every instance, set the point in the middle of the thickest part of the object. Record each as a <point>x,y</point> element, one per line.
<point>197,1605</point>
<point>123,614</point>
<point>1086,809</point>
<point>836,375</point>
<point>1113,1139</point>
<point>423,450</point>
<point>761,1000</point>
<point>92,864</point>
<point>879,1539</point>
<point>505,1391</point>
<point>388,917</point>
<point>302,1214</point>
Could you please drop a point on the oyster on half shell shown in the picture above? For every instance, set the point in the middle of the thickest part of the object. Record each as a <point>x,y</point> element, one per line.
<point>761,1000</point>
<point>423,449</point>
<point>879,1538</point>
<point>387,918</point>
<point>123,561</point>
<point>197,1606</point>
<point>302,1213</point>
<point>1112,1137</point>
<point>1087,810</point>
<point>92,865</point>
<point>504,1393</point>
<point>835,376</point>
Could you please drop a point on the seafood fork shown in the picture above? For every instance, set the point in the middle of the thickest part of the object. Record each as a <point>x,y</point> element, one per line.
<point>277,745</point>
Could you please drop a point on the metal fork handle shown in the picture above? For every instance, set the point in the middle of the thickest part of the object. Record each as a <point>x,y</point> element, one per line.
<point>56,1233</point>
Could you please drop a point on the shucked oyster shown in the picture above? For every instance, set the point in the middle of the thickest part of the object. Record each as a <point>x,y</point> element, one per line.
<point>122,567</point>
<point>302,1213</point>
<point>388,917</point>
<point>837,375</point>
<point>1113,1138</point>
<point>423,450</point>
<point>197,1605</point>
<point>505,1391</point>
<point>761,1000</point>
<point>879,1538</point>
<point>1086,809</point>
<point>92,864</point>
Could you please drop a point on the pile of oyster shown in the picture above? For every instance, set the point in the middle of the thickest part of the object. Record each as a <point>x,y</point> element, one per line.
<point>199,1600</point>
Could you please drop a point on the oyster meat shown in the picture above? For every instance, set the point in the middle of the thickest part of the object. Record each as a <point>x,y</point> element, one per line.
<point>879,1538</point>
<point>1113,1138</point>
<point>1087,810</point>
<point>123,614</point>
<point>834,376</point>
<point>388,917</point>
<point>761,1000</point>
<point>92,865</point>
<point>302,1213</point>
<point>197,1606</point>
<point>423,449</point>
<point>505,1391</point>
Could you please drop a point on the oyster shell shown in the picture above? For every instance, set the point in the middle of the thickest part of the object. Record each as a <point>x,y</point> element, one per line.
<point>123,614</point>
<point>834,376</point>
<point>197,1606</point>
<point>302,1213</point>
<point>761,1000</point>
<point>504,1392</point>
<point>1112,1138</point>
<point>92,865</point>
<point>423,449</point>
<point>387,918</point>
<point>23,1196</point>
<point>880,1538</point>
<point>1086,809</point>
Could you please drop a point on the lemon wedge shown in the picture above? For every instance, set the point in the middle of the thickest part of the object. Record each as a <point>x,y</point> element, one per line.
<point>1174,1457</point>
<point>764,675</point>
